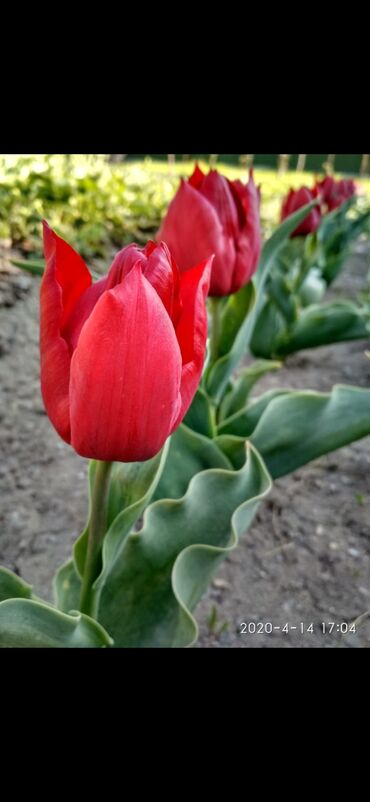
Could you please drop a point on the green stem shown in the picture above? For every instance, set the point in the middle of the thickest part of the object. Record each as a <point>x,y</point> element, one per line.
<point>96,531</point>
<point>215,309</point>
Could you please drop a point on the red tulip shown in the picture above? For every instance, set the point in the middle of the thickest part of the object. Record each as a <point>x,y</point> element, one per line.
<point>121,359</point>
<point>333,193</point>
<point>294,201</point>
<point>210,214</point>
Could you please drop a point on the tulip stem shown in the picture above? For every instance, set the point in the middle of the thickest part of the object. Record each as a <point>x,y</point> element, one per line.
<point>96,531</point>
<point>215,309</point>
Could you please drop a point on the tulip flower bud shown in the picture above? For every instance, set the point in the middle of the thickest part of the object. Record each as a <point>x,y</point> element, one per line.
<point>210,214</point>
<point>121,359</point>
<point>333,193</point>
<point>294,201</point>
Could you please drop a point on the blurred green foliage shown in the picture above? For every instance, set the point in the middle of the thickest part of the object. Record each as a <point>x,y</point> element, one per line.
<point>99,206</point>
<point>93,204</point>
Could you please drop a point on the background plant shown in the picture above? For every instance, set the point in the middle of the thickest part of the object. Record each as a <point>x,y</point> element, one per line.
<point>100,205</point>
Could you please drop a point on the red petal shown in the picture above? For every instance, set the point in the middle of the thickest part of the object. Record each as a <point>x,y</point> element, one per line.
<point>125,375</point>
<point>191,331</point>
<point>157,266</point>
<point>248,243</point>
<point>294,201</point>
<point>162,272</point>
<point>191,228</point>
<point>81,311</point>
<point>196,179</point>
<point>239,191</point>
<point>122,263</point>
<point>71,272</point>
<point>54,353</point>
<point>216,189</point>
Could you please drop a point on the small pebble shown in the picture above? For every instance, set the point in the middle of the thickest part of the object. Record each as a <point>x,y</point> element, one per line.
<point>221,583</point>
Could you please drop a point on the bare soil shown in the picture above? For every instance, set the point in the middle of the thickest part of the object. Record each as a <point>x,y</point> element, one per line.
<point>305,560</point>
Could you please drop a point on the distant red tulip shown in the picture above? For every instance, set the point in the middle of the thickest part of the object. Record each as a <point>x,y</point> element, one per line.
<point>121,359</point>
<point>294,201</point>
<point>212,215</point>
<point>333,193</point>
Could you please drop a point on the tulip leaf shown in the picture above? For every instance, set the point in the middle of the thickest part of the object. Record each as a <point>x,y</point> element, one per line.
<point>301,426</point>
<point>34,266</point>
<point>324,324</point>
<point>131,487</point>
<point>219,374</point>
<point>234,313</point>
<point>67,587</point>
<point>29,624</point>
<point>281,293</point>
<point>233,447</point>
<point>269,327</point>
<point>190,452</point>
<point>312,288</point>
<point>12,587</point>
<point>200,415</point>
<point>243,423</point>
<point>148,588</point>
<point>236,398</point>
<point>133,483</point>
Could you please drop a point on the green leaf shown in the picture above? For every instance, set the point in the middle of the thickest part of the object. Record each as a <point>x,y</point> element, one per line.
<point>67,587</point>
<point>220,372</point>
<point>301,426</point>
<point>11,586</point>
<point>29,624</point>
<point>335,235</point>
<point>236,399</point>
<point>34,266</point>
<point>236,309</point>
<point>322,324</point>
<point>190,453</point>
<point>243,423</point>
<point>200,415</point>
<point>333,266</point>
<point>313,288</point>
<point>269,328</point>
<point>133,483</point>
<point>147,592</point>
<point>281,293</point>
<point>233,447</point>
<point>131,487</point>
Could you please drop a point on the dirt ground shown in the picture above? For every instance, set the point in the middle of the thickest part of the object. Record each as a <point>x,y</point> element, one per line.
<point>305,560</point>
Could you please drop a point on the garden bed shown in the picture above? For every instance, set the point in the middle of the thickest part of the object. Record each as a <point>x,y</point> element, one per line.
<point>305,559</point>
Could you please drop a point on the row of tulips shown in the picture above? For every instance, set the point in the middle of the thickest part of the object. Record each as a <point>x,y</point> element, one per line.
<point>330,194</point>
<point>127,380</point>
<point>293,316</point>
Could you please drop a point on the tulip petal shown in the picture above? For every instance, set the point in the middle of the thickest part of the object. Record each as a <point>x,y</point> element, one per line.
<point>122,263</point>
<point>191,228</point>
<point>81,311</point>
<point>54,354</point>
<point>294,201</point>
<point>239,192</point>
<point>162,272</point>
<point>250,241</point>
<point>125,375</point>
<point>157,266</point>
<point>216,189</point>
<point>196,178</point>
<point>71,272</point>
<point>193,232</point>
<point>192,330</point>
